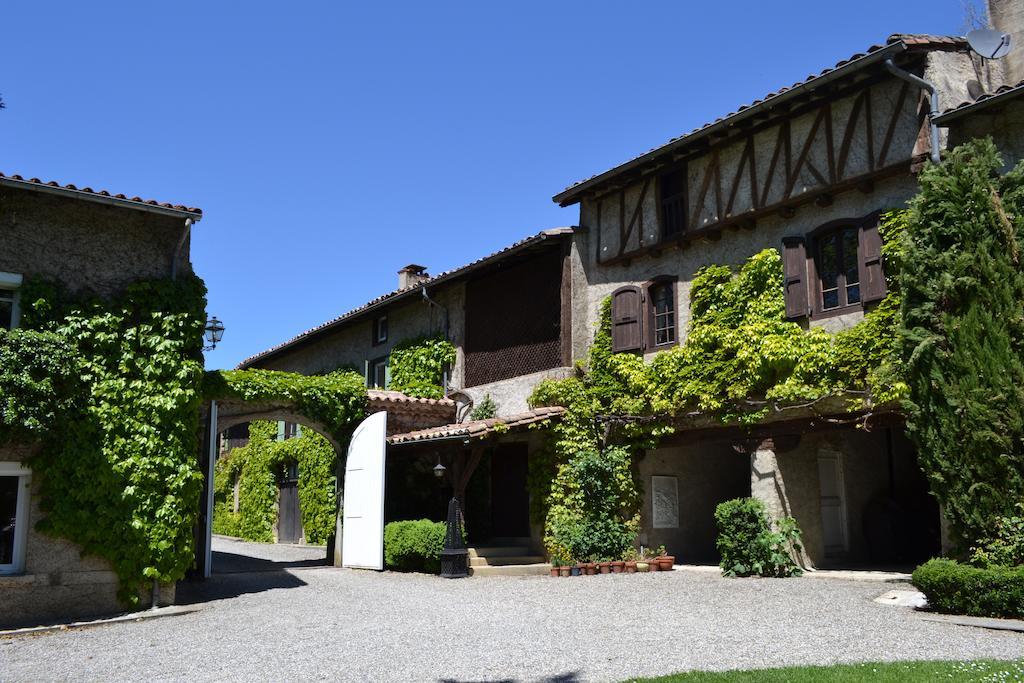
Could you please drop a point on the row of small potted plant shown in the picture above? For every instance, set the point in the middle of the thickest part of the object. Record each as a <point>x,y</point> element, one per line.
<point>634,561</point>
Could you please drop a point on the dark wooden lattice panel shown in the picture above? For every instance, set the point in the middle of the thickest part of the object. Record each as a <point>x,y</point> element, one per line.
<point>513,321</point>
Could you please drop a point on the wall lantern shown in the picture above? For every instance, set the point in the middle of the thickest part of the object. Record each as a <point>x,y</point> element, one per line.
<point>214,333</point>
<point>439,469</point>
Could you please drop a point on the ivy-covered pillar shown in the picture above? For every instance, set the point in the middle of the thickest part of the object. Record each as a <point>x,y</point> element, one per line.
<point>767,483</point>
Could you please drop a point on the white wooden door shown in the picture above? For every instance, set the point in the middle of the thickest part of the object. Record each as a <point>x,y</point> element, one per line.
<point>363,498</point>
<point>833,503</point>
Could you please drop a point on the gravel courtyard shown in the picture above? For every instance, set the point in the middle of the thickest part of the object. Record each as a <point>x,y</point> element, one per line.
<point>324,623</point>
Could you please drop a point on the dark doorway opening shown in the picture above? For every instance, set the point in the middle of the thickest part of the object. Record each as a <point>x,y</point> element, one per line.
<point>289,514</point>
<point>510,498</point>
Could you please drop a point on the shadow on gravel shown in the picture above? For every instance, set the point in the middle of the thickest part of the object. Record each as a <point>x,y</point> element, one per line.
<point>570,677</point>
<point>221,586</point>
<point>234,563</point>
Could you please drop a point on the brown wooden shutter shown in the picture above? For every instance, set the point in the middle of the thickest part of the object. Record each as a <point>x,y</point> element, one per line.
<point>794,264</point>
<point>627,325</point>
<point>872,276</point>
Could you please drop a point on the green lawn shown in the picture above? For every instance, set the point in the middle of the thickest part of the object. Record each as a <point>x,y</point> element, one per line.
<point>984,670</point>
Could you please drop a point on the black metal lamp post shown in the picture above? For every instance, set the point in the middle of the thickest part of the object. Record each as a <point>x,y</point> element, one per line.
<point>214,333</point>
<point>454,556</point>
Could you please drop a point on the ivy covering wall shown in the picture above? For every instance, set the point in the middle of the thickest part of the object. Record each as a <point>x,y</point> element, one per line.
<point>418,366</point>
<point>257,466</point>
<point>741,358</point>
<point>110,390</point>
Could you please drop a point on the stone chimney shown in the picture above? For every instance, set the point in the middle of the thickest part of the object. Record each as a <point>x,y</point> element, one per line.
<point>1008,16</point>
<point>412,275</point>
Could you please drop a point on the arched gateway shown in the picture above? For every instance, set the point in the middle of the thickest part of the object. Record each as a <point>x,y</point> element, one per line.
<point>404,413</point>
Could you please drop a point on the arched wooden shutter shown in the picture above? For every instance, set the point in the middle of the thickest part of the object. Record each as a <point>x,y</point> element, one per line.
<point>627,321</point>
<point>872,276</point>
<point>794,264</point>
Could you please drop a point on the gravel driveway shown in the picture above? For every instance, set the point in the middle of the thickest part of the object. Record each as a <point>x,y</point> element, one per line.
<point>326,623</point>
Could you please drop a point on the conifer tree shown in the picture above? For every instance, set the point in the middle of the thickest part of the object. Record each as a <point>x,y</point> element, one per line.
<point>962,329</point>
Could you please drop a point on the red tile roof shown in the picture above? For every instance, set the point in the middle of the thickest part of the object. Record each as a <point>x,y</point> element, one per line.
<point>476,429</point>
<point>408,291</point>
<point>378,395</point>
<point>95,195</point>
<point>894,43</point>
<point>1002,93</point>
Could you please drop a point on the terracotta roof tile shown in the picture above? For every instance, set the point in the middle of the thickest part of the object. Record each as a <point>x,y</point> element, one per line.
<point>1000,92</point>
<point>908,40</point>
<point>476,429</point>
<point>15,179</point>
<point>399,293</point>
<point>378,395</point>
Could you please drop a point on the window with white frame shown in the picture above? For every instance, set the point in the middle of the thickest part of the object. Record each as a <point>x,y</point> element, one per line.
<point>9,284</point>
<point>15,480</point>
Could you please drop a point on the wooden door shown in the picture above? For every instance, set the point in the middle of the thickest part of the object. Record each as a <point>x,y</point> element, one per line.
<point>510,498</point>
<point>289,517</point>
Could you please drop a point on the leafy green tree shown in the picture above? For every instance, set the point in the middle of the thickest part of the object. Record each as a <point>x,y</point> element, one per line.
<point>962,328</point>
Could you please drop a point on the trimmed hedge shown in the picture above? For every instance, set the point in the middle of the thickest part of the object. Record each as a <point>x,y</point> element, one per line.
<point>414,545</point>
<point>956,588</point>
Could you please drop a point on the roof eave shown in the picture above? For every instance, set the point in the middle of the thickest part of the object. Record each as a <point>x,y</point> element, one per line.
<point>943,120</point>
<point>573,194</point>
<point>389,300</point>
<point>196,216</point>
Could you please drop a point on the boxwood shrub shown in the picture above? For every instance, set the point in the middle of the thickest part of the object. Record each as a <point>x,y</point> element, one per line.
<point>749,546</point>
<point>956,588</point>
<point>414,545</point>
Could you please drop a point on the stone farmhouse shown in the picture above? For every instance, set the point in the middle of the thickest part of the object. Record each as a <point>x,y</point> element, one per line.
<point>92,242</point>
<point>806,170</point>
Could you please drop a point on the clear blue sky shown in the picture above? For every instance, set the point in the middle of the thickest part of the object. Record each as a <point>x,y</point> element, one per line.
<point>329,144</point>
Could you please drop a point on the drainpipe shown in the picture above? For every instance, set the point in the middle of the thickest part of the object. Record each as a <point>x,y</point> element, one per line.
<point>925,85</point>
<point>181,245</point>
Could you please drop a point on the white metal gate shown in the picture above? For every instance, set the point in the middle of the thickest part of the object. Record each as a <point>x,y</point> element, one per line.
<point>363,499</point>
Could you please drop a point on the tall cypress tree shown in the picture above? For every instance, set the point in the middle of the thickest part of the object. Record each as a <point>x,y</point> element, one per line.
<point>962,333</point>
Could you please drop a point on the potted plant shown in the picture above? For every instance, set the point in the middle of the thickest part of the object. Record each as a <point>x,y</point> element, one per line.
<point>605,566</point>
<point>630,557</point>
<point>650,558</point>
<point>565,570</point>
<point>665,561</point>
<point>577,569</point>
<point>591,565</point>
<point>618,566</point>
<point>556,565</point>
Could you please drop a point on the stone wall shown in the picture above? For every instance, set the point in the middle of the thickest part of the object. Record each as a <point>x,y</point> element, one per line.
<point>351,345</point>
<point>510,395</point>
<point>59,582</point>
<point>84,245</point>
<point>1005,124</point>
<point>706,475</point>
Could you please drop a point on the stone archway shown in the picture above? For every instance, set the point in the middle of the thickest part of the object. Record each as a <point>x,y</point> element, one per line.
<point>219,416</point>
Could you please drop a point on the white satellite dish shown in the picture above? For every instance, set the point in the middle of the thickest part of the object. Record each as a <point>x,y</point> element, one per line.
<point>989,43</point>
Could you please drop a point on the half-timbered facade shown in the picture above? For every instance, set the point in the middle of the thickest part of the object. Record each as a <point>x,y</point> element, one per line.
<point>806,170</point>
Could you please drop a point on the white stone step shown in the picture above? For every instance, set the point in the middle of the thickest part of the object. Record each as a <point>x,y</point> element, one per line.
<point>512,570</point>
<point>500,551</point>
<point>503,560</point>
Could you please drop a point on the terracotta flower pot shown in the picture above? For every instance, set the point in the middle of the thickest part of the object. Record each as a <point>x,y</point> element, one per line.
<point>653,565</point>
<point>642,567</point>
<point>564,571</point>
<point>606,567</point>
<point>665,562</point>
<point>554,571</point>
<point>631,567</point>
<point>590,567</point>
<point>617,566</point>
